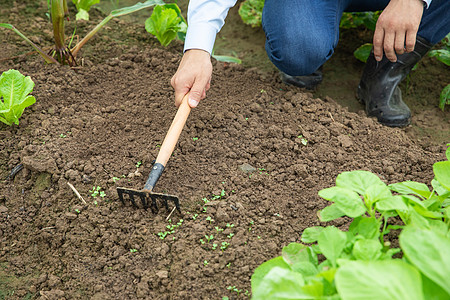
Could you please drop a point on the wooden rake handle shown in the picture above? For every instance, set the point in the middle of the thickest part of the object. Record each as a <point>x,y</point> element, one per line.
<point>169,143</point>
<point>174,132</point>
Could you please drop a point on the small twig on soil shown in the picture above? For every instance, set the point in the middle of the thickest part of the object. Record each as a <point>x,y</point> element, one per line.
<point>51,227</point>
<point>331,116</point>
<point>76,192</point>
<point>171,213</point>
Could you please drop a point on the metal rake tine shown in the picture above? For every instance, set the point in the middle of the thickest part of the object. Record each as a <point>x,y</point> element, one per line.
<point>154,206</point>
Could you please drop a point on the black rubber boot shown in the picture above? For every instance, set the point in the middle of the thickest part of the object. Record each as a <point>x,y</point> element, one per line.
<point>310,82</point>
<point>378,88</point>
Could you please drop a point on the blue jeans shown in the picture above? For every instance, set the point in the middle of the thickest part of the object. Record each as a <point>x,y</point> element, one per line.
<point>301,35</point>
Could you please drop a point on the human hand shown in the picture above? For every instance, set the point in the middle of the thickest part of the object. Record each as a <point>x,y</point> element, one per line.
<point>194,76</point>
<point>396,28</point>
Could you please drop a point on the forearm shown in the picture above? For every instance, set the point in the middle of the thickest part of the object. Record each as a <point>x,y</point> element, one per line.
<point>205,19</point>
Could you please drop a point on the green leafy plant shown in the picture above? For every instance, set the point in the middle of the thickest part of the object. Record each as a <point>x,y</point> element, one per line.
<point>359,263</point>
<point>83,7</point>
<point>358,19</point>
<point>443,55</point>
<point>251,12</point>
<point>165,23</point>
<point>14,96</point>
<point>61,52</point>
<point>363,52</point>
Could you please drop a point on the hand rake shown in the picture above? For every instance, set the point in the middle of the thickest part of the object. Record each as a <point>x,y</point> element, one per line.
<point>146,195</point>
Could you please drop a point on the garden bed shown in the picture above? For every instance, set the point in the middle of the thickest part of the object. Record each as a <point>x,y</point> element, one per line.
<point>101,125</point>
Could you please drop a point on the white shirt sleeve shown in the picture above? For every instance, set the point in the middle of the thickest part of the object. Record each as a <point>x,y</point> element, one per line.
<point>427,2</point>
<point>205,19</point>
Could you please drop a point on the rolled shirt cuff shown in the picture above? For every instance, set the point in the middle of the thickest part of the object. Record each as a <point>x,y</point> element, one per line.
<point>427,3</point>
<point>200,36</point>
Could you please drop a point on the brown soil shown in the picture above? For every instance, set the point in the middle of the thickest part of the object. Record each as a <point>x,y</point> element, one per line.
<point>98,121</point>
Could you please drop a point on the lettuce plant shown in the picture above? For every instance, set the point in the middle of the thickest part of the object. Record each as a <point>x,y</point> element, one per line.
<point>14,96</point>
<point>83,7</point>
<point>166,23</point>
<point>359,263</point>
<point>62,53</point>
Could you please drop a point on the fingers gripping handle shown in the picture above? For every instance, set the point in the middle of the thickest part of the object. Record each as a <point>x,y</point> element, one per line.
<point>169,143</point>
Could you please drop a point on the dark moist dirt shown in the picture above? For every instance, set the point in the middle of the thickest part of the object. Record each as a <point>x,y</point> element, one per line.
<point>96,122</point>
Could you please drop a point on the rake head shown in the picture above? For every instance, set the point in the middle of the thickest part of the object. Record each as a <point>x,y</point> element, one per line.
<point>148,199</point>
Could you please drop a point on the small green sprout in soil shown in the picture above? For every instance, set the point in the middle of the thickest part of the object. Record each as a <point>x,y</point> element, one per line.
<point>209,238</point>
<point>96,191</point>
<point>230,235</point>
<point>115,179</point>
<point>263,171</point>
<point>214,246</point>
<point>138,164</point>
<point>194,217</point>
<point>251,224</point>
<point>218,229</point>
<point>224,246</point>
<point>77,211</point>
<point>234,289</point>
<point>171,229</point>
<point>195,139</point>
<point>209,219</point>
<point>230,225</point>
<point>133,250</point>
<point>205,262</point>
<point>303,140</point>
<point>228,265</point>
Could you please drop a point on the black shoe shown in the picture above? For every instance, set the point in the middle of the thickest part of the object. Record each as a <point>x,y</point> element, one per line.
<point>310,82</point>
<point>378,88</point>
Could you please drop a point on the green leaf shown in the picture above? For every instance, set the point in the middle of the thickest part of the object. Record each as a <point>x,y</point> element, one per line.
<point>331,242</point>
<point>264,268</point>
<point>330,213</point>
<point>280,283</point>
<point>305,268</point>
<point>444,99</point>
<point>82,15</point>
<point>164,23</point>
<point>393,203</point>
<point>83,7</point>
<point>376,193</point>
<point>447,152</point>
<point>295,252</point>
<point>365,249</point>
<point>358,181</point>
<point>442,172</point>
<point>411,187</point>
<point>228,59</point>
<point>346,200</point>
<point>376,280</point>
<point>443,55</point>
<point>363,52</point>
<point>429,252</point>
<point>14,90</point>
<point>432,291</point>
<point>310,234</point>
<point>251,12</point>
<point>368,228</point>
<point>138,6</point>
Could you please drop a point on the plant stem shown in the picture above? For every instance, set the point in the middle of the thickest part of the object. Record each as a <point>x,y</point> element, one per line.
<point>57,12</point>
<point>90,35</point>
<point>47,57</point>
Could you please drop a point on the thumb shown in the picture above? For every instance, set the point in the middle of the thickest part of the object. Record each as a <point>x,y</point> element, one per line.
<point>197,92</point>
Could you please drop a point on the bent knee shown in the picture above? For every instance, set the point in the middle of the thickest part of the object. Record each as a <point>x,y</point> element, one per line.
<point>298,56</point>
